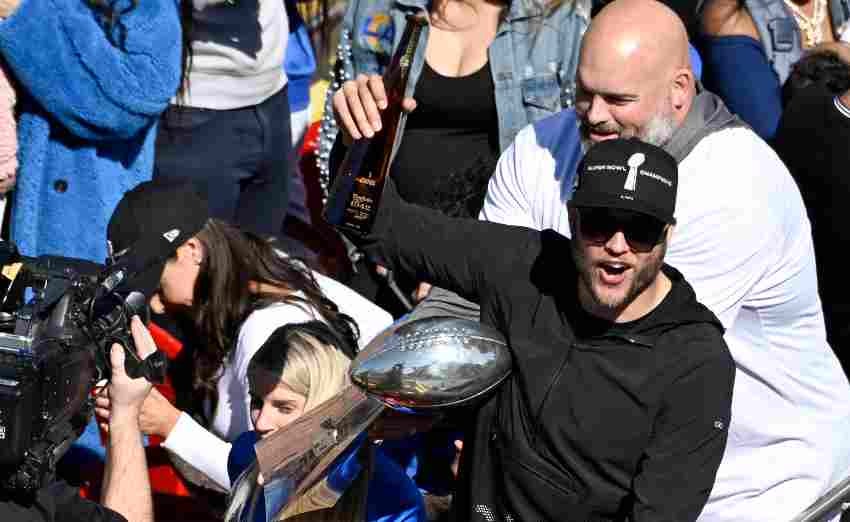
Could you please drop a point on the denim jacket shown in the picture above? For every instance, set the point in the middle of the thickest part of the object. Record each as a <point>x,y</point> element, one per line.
<point>533,59</point>
<point>780,35</point>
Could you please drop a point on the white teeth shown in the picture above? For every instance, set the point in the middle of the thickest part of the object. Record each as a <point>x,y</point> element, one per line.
<point>614,267</point>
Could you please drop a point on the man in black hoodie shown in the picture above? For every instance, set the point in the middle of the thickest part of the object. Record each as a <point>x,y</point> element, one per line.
<point>619,402</point>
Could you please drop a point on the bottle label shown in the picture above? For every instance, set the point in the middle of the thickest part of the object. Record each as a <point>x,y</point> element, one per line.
<point>361,205</point>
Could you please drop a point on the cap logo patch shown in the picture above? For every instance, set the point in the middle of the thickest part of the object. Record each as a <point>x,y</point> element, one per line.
<point>635,160</point>
<point>171,235</point>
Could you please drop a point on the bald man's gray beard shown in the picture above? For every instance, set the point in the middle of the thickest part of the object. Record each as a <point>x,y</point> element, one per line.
<point>658,131</point>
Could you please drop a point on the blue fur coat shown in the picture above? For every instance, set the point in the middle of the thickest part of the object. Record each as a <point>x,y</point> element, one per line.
<point>89,96</point>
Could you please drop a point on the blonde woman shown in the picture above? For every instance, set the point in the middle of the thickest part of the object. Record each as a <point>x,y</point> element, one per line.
<point>299,367</point>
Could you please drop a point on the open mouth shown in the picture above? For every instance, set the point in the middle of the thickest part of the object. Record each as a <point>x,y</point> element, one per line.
<point>612,273</point>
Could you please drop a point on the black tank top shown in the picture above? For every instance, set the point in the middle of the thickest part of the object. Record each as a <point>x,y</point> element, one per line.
<point>450,142</point>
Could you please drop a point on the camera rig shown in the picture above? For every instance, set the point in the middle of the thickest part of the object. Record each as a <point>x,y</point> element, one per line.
<point>58,320</point>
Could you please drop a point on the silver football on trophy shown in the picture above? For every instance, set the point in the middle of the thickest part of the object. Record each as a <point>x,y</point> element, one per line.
<point>432,363</point>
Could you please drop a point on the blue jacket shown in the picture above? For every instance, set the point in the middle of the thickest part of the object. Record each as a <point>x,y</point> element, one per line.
<point>533,57</point>
<point>89,98</point>
<point>392,496</point>
<point>300,61</point>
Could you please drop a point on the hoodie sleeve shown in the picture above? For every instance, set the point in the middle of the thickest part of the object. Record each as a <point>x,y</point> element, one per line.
<point>678,468</point>
<point>99,83</point>
<point>466,256</point>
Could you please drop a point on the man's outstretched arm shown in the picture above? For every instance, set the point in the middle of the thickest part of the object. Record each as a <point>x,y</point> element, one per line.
<point>466,256</point>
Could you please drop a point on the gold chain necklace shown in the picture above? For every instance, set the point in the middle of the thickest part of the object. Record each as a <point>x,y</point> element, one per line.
<point>811,28</point>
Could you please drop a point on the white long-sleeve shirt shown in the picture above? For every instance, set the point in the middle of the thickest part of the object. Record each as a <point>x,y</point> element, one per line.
<point>743,241</point>
<point>207,449</point>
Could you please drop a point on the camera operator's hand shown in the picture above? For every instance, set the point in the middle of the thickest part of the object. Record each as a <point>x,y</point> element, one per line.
<point>122,400</point>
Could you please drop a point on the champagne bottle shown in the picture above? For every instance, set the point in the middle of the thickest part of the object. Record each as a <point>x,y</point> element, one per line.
<point>356,191</point>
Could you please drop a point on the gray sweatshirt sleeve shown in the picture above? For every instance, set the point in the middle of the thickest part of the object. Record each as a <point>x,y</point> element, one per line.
<point>442,302</point>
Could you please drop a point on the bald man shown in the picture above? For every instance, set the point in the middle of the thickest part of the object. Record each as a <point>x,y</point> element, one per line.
<point>743,241</point>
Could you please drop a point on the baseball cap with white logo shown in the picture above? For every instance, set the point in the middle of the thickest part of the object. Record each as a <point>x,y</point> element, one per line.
<point>628,174</point>
<point>150,222</point>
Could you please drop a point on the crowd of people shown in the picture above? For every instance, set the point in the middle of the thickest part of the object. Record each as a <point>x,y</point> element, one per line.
<point>644,197</point>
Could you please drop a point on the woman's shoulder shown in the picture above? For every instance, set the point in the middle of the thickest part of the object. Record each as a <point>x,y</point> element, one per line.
<point>278,313</point>
<point>728,18</point>
<point>261,323</point>
<point>370,318</point>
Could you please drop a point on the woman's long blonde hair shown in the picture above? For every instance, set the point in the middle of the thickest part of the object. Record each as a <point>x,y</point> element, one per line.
<point>312,360</point>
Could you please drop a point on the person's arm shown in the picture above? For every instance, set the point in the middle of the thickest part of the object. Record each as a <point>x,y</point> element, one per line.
<point>97,87</point>
<point>468,257</point>
<point>126,483</point>
<point>126,486</point>
<point>191,443</point>
<point>736,67</point>
<point>200,449</point>
<point>727,18</point>
<point>743,266</point>
<point>678,468</point>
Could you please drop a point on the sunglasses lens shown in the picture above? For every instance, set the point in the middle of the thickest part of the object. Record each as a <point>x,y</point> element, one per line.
<point>642,232</point>
<point>596,226</point>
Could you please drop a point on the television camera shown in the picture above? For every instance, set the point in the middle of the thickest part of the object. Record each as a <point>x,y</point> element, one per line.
<point>58,320</point>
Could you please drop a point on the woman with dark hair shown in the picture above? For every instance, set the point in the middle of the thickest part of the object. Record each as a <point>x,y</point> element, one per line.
<point>92,77</point>
<point>237,289</point>
<point>298,368</point>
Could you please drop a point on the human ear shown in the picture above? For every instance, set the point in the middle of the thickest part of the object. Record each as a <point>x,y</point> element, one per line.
<point>669,232</point>
<point>681,88</point>
<point>194,249</point>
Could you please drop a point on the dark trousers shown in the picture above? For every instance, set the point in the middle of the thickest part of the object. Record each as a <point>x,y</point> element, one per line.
<point>243,157</point>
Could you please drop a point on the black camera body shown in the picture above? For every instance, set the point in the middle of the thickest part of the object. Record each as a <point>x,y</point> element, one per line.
<point>57,325</point>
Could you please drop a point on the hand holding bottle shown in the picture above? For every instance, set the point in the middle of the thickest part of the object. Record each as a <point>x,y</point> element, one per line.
<point>358,105</point>
<point>371,110</point>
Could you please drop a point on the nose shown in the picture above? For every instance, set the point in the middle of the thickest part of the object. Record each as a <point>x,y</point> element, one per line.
<point>262,421</point>
<point>597,111</point>
<point>617,244</point>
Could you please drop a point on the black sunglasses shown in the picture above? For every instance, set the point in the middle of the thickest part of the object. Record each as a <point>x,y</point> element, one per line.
<point>598,225</point>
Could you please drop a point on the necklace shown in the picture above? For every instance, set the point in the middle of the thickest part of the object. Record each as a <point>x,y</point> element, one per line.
<point>811,28</point>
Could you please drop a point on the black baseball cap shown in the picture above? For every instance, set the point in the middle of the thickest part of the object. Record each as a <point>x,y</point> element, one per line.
<point>628,174</point>
<point>150,222</point>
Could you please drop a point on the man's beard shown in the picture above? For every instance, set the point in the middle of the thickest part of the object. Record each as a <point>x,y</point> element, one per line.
<point>658,131</point>
<point>607,305</point>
